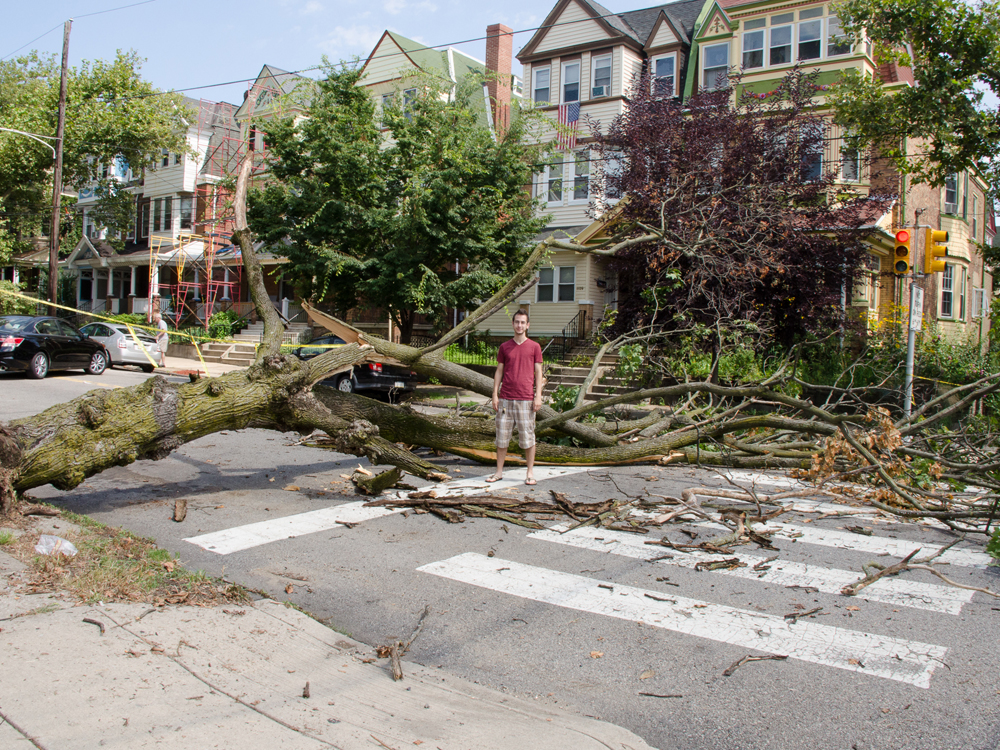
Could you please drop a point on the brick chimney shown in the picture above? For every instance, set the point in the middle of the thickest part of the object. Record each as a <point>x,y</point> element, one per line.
<point>499,56</point>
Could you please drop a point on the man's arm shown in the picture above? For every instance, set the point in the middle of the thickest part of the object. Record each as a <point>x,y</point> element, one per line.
<point>537,403</point>
<point>497,377</point>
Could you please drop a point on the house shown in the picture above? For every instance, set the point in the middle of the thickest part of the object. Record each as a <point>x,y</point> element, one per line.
<point>765,40</point>
<point>178,257</point>
<point>582,61</point>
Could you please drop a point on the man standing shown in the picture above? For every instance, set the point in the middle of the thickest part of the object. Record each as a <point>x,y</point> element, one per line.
<point>162,337</point>
<point>517,395</point>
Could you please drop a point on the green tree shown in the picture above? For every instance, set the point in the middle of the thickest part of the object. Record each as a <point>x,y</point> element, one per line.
<point>953,48</point>
<point>111,112</point>
<point>377,218</point>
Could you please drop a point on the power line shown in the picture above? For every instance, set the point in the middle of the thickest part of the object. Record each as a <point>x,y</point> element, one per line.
<point>83,15</point>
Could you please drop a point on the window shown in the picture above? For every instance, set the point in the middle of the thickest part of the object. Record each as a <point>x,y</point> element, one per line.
<point>557,284</point>
<point>581,176</point>
<point>144,221</point>
<point>157,214</point>
<point>811,38</point>
<point>571,82</point>
<point>664,75</point>
<point>715,69</point>
<point>612,168</point>
<point>104,172</point>
<point>850,162</point>
<point>185,211</point>
<point>601,76</point>
<point>753,44</point>
<point>813,137</point>
<point>164,158</point>
<point>975,218</point>
<point>554,175</point>
<point>386,104</point>
<point>781,39</point>
<point>545,284</point>
<point>177,158</point>
<point>947,291</point>
<point>978,303</point>
<point>965,196</point>
<point>168,217</point>
<point>541,85</point>
<point>409,96</point>
<point>951,193</point>
<point>961,293</point>
<point>837,42</point>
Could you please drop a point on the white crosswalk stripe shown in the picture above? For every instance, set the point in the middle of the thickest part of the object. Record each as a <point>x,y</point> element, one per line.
<point>894,591</point>
<point>251,535</point>
<point>872,545</point>
<point>240,538</point>
<point>906,661</point>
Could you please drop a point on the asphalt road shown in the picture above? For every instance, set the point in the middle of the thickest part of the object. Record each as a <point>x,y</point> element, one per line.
<point>584,619</point>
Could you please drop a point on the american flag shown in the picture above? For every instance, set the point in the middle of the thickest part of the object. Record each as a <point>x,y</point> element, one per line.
<point>569,116</point>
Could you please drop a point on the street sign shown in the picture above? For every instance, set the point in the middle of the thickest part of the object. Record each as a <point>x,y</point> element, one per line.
<point>916,307</point>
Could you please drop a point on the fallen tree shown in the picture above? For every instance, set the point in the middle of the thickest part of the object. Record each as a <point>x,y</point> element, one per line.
<point>840,436</point>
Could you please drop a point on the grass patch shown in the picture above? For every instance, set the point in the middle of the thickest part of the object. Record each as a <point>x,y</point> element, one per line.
<point>6,537</point>
<point>116,565</point>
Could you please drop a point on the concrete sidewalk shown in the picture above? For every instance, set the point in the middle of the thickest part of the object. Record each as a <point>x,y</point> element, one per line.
<point>265,676</point>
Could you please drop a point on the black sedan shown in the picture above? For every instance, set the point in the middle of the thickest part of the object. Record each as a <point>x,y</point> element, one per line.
<point>379,377</point>
<point>36,345</point>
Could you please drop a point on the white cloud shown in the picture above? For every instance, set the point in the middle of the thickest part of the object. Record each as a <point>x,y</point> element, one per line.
<point>395,7</point>
<point>346,40</point>
<point>313,6</point>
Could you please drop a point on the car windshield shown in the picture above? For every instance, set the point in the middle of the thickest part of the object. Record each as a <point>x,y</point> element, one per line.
<point>14,323</point>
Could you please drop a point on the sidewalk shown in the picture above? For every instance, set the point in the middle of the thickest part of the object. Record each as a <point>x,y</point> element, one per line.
<point>183,366</point>
<point>264,676</point>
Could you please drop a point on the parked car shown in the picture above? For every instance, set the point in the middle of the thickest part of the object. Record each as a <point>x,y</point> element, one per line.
<point>392,380</point>
<point>122,347</point>
<point>36,345</point>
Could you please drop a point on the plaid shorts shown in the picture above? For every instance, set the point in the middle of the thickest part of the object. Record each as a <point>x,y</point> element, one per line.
<point>521,414</point>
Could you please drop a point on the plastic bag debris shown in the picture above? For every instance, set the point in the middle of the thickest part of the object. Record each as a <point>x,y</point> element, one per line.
<point>54,545</point>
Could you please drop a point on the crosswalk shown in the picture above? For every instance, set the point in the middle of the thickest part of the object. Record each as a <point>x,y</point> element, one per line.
<point>877,655</point>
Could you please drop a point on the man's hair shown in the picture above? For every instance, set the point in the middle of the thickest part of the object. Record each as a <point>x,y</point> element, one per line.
<point>521,312</point>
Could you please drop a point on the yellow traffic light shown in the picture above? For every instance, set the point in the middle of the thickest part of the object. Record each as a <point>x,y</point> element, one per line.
<point>934,251</point>
<point>904,242</point>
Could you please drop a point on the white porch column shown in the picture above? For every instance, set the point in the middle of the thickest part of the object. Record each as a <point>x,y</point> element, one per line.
<point>154,282</point>
<point>93,289</point>
<point>225,289</point>
<point>197,288</point>
<point>131,285</point>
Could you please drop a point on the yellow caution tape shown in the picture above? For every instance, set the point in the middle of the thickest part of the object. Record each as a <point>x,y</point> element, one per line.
<point>154,331</point>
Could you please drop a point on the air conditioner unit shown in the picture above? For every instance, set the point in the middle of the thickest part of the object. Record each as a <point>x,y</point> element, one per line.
<point>598,91</point>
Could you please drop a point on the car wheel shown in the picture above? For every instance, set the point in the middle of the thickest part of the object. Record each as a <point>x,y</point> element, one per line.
<point>98,363</point>
<point>345,384</point>
<point>39,366</point>
<point>146,368</point>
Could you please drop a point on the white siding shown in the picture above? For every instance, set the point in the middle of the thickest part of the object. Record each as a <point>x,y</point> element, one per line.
<point>664,36</point>
<point>631,68</point>
<point>387,63</point>
<point>575,26</point>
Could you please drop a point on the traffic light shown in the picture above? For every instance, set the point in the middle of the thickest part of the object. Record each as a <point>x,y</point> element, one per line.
<point>904,242</point>
<point>935,251</point>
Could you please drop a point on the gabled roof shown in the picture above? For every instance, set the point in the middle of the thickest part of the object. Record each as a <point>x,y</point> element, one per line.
<point>634,25</point>
<point>681,15</point>
<point>286,83</point>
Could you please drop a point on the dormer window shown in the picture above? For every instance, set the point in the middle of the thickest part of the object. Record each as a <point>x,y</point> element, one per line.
<point>664,76</point>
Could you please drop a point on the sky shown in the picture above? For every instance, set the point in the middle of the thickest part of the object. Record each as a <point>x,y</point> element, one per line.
<point>194,43</point>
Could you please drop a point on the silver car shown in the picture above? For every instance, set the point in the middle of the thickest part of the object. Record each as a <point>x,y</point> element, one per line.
<point>123,348</point>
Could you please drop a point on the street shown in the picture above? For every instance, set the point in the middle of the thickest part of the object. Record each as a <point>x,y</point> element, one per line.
<point>588,619</point>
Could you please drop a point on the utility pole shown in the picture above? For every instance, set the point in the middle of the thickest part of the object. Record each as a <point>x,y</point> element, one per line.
<point>57,174</point>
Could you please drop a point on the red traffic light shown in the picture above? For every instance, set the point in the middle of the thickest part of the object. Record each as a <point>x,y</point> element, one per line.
<point>903,236</point>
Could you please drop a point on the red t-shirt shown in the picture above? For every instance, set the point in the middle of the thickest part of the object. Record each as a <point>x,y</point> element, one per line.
<point>518,360</point>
